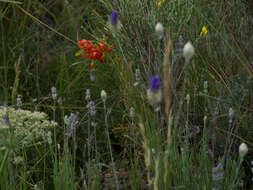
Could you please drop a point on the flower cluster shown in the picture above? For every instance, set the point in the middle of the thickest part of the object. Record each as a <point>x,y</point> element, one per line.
<point>29,127</point>
<point>93,51</point>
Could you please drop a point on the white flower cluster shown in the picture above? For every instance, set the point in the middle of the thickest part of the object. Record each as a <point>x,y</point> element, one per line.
<point>29,127</point>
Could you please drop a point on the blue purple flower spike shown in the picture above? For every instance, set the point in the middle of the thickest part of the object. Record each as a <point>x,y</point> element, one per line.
<point>155,83</point>
<point>114,17</point>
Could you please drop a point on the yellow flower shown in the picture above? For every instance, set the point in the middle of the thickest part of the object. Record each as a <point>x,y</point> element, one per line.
<point>204,31</point>
<point>79,52</point>
<point>159,4</point>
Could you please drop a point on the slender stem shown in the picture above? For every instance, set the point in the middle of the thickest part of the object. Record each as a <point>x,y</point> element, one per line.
<point>110,148</point>
<point>4,160</point>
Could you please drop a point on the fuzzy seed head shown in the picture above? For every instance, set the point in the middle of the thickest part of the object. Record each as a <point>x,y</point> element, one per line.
<point>188,51</point>
<point>243,150</point>
<point>159,29</point>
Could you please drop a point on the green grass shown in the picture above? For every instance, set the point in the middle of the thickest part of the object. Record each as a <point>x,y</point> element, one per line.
<point>176,147</point>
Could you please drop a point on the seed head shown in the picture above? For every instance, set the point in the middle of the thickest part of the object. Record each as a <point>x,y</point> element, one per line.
<point>188,51</point>
<point>243,150</point>
<point>159,29</point>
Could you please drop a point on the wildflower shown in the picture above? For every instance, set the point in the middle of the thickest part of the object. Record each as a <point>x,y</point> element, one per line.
<point>71,122</point>
<point>159,4</point>
<point>114,23</point>
<point>159,29</point>
<point>155,83</point>
<point>105,47</point>
<point>114,17</point>
<point>137,76</point>
<point>132,112</point>
<point>217,172</point>
<point>91,108</point>
<point>188,51</point>
<point>54,93</point>
<point>92,75</point>
<point>85,44</point>
<point>94,54</point>
<point>19,102</point>
<point>204,31</point>
<point>87,97</point>
<point>29,127</point>
<point>103,95</point>
<point>49,137</point>
<point>154,93</point>
<point>230,114</point>
<point>180,46</point>
<point>243,150</point>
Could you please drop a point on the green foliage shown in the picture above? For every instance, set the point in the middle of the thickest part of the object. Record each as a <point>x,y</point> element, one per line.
<point>38,45</point>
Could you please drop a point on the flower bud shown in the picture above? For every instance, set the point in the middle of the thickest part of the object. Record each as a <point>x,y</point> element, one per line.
<point>188,51</point>
<point>114,22</point>
<point>243,150</point>
<point>155,83</point>
<point>159,29</point>
<point>103,95</point>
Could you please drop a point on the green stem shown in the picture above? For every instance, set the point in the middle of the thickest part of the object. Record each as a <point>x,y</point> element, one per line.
<point>4,160</point>
<point>110,148</point>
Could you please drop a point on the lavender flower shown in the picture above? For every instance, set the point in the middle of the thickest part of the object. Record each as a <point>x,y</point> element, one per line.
<point>54,93</point>
<point>114,17</point>
<point>114,23</point>
<point>71,122</point>
<point>180,46</point>
<point>217,172</point>
<point>6,121</point>
<point>230,114</point>
<point>91,107</point>
<point>87,97</point>
<point>132,112</point>
<point>154,93</point>
<point>137,77</point>
<point>19,102</point>
<point>155,83</point>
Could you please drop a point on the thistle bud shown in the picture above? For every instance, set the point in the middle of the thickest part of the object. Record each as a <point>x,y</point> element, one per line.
<point>159,29</point>
<point>154,93</point>
<point>114,22</point>
<point>103,95</point>
<point>188,51</point>
<point>243,150</point>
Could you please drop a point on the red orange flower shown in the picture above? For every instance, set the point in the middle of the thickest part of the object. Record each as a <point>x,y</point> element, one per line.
<point>105,47</point>
<point>92,52</point>
<point>85,44</point>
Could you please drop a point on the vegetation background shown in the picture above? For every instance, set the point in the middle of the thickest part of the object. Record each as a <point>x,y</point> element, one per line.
<point>128,144</point>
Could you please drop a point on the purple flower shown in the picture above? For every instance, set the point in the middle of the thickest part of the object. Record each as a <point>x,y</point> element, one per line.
<point>91,108</point>
<point>6,120</point>
<point>114,17</point>
<point>155,83</point>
